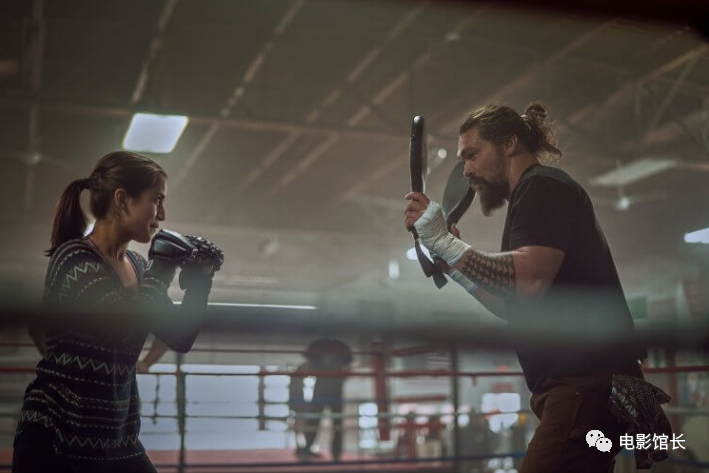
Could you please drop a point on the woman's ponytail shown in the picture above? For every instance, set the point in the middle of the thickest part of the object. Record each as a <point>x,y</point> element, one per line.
<point>69,219</point>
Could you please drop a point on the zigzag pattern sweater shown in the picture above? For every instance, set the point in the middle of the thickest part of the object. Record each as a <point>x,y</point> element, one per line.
<point>85,390</point>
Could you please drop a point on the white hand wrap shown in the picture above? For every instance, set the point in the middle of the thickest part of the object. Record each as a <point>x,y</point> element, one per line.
<point>463,280</point>
<point>433,234</point>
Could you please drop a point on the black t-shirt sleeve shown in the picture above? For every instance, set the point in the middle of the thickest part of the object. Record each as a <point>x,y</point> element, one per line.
<point>542,214</point>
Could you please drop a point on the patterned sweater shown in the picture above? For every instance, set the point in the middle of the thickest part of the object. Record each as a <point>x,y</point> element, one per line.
<point>85,390</point>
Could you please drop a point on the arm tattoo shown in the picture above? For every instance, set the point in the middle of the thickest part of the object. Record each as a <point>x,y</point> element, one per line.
<point>494,272</point>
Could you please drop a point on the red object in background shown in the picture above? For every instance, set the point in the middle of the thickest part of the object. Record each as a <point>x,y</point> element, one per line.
<point>381,394</point>
<point>435,428</point>
<point>407,438</point>
<point>503,388</point>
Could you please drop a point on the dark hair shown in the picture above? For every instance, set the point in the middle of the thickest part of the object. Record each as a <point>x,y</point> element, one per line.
<point>498,123</point>
<point>118,170</point>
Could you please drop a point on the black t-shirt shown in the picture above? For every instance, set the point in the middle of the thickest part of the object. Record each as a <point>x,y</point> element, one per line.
<point>548,208</point>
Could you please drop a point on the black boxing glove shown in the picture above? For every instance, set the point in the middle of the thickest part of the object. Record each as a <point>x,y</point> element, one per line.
<point>170,246</point>
<point>167,251</point>
<point>199,268</point>
<point>204,254</point>
<point>170,249</point>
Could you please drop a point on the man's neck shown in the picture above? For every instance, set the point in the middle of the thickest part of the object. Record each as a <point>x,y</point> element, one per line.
<point>518,164</point>
<point>109,239</point>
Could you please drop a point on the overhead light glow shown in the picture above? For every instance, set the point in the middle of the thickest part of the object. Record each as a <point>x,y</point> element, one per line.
<point>442,153</point>
<point>623,203</point>
<point>700,236</point>
<point>411,254</point>
<point>154,133</point>
<point>205,368</point>
<point>266,306</point>
<point>633,172</point>
<point>393,269</point>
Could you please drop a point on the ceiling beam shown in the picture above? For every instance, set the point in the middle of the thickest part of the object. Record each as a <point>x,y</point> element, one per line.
<point>593,112</point>
<point>240,89</point>
<point>390,87</point>
<point>207,120</point>
<point>405,76</point>
<point>532,72</point>
<point>666,133</point>
<point>599,109</point>
<point>154,47</point>
<point>35,52</point>
<point>315,114</point>
<point>526,76</point>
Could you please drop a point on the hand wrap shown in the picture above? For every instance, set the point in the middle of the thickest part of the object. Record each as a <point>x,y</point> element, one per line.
<point>434,235</point>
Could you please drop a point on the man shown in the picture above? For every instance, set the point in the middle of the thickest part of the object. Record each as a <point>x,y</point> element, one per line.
<point>477,440</point>
<point>300,408</point>
<point>327,355</point>
<point>555,270</point>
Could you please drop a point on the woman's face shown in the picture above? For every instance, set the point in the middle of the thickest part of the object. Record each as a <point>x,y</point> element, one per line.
<point>143,214</point>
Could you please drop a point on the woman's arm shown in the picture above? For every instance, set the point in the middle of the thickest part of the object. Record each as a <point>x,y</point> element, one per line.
<point>157,350</point>
<point>79,277</point>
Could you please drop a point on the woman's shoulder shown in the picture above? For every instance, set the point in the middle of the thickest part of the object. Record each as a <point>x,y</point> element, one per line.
<point>73,252</point>
<point>78,247</point>
<point>73,260</point>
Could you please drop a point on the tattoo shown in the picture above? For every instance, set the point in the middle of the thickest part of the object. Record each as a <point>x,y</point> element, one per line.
<point>494,272</point>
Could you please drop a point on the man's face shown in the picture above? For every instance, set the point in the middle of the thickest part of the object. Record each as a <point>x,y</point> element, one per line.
<point>486,167</point>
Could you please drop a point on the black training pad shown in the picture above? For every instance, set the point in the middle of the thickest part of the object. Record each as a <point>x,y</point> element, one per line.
<point>418,160</point>
<point>457,196</point>
<point>418,154</point>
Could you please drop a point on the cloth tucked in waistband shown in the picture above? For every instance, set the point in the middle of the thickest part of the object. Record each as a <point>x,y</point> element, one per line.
<point>636,404</point>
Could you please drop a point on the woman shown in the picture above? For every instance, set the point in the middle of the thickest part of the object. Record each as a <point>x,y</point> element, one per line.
<point>81,413</point>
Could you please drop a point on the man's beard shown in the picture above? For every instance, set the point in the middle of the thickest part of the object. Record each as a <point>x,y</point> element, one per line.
<point>492,196</point>
<point>492,193</point>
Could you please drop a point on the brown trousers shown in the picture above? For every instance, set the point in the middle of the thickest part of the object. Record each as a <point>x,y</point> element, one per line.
<point>569,408</point>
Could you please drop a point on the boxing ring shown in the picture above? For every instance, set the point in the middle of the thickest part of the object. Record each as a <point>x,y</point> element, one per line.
<point>387,430</point>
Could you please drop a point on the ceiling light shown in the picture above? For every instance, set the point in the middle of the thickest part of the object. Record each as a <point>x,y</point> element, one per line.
<point>700,236</point>
<point>623,203</point>
<point>633,172</point>
<point>154,133</point>
<point>264,306</point>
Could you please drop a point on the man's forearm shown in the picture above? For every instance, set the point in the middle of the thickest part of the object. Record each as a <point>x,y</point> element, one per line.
<point>494,304</point>
<point>492,272</point>
<point>526,272</point>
